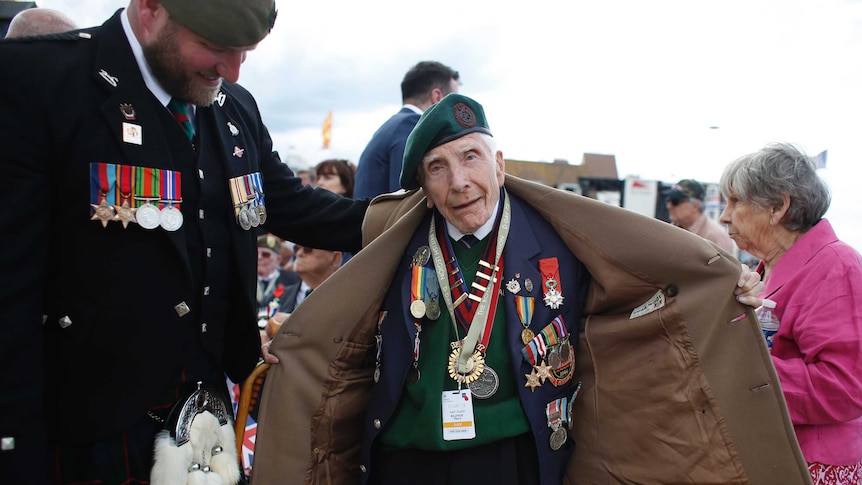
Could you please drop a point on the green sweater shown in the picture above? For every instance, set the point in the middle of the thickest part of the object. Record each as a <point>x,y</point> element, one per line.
<point>418,419</point>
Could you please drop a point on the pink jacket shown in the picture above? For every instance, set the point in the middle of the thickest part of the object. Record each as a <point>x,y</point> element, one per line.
<point>817,352</point>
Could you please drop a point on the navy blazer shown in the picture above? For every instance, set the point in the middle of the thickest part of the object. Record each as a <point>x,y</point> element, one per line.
<point>379,168</point>
<point>530,239</point>
<point>121,287</point>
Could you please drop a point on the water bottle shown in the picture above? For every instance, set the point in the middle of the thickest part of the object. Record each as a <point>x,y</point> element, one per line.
<point>768,320</point>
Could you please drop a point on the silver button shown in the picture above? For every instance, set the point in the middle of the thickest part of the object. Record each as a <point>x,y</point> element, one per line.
<point>44,319</point>
<point>7,443</point>
<point>376,424</point>
<point>203,328</point>
<point>206,290</point>
<point>201,173</point>
<point>209,252</point>
<point>182,308</point>
<point>201,214</point>
<point>65,321</point>
<point>363,469</point>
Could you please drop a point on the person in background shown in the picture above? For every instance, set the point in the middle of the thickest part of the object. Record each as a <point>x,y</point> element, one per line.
<point>285,256</point>
<point>272,281</point>
<point>379,166</point>
<point>313,266</point>
<point>39,21</point>
<point>307,176</point>
<point>813,297</point>
<point>450,340</point>
<point>133,143</point>
<point>336,176</point>
<point>685,208</point>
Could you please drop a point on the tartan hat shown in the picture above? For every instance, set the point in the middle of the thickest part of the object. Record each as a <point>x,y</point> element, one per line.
<point>231,23</point>
<point>454,116</point>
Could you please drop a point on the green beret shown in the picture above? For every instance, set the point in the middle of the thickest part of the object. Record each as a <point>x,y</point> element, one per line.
<point>231,23</point>
<point>454,116</point>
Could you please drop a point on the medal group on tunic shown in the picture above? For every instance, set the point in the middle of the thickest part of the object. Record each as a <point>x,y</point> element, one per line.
<point>151,197</point>
<point>548,351</point>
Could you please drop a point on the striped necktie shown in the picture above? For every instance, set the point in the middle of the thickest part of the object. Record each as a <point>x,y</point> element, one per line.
<point>180,111</point>
<point>468,240</point>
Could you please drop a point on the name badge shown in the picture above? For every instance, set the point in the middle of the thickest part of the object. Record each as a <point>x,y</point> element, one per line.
<point>458,423</point>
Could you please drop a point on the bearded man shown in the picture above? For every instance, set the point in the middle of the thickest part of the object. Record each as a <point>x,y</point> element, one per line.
<point>139,172</point>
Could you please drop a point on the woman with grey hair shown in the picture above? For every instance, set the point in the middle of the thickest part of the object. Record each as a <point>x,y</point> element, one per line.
<point>812,305</point>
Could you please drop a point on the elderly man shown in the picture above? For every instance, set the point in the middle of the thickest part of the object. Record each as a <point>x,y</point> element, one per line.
<point>543,349</point>
<point>685,209</point>
<point>132,144</point>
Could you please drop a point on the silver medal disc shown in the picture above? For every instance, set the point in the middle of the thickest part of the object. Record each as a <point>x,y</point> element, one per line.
<point>565,350</point>
<point>261,213</point>
<point>242,219</point>
<point>253,217</point>
<point>377,374</point>
<point>170,218</point>
<point>554,358</point>
<point>432,310</point>
<point>147,216</point>
<point>486,385</point>
<point>417,308</point>
<point>558,438</point>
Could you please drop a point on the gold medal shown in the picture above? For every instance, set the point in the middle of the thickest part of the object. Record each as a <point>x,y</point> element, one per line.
<point>543,371</point>
<point>472,369</point>
<point>125,214</point>
<point>103,212</point>
<point>532,380</point>
<point>527,336</point>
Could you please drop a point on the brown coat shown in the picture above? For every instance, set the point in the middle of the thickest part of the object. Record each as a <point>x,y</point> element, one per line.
<point>681,394</point>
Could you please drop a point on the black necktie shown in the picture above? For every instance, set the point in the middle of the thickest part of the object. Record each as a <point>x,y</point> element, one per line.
<point>468,240</point>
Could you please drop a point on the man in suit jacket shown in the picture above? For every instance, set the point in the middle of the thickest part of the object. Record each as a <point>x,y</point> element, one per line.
<point>110,315</point>
<point>379,166</point>
<point>676,382</point>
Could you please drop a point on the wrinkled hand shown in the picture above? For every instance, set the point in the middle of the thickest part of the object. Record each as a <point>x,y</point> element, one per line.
<point>748,287</point>
<point>268,357</point>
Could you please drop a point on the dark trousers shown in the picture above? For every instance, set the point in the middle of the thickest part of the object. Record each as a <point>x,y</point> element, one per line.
<point>511,461</point>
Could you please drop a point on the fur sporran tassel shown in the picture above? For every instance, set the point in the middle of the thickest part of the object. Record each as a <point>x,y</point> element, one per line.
<point>201,451</point>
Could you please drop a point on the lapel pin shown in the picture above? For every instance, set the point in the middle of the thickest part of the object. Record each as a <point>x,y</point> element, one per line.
<point>133,134</point>
<point>113,81</point>
<point>233,129</point>
<point>237,152</point>
<point>128,111</point>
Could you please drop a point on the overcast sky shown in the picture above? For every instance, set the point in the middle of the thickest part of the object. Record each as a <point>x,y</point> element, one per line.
<point>644,81</point>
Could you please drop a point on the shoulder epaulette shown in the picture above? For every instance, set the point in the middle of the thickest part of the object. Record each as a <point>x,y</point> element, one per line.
<point>62,36</point>
<point>397,195</point>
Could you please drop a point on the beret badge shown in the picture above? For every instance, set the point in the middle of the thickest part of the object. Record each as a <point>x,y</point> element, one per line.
<point>464,116</point>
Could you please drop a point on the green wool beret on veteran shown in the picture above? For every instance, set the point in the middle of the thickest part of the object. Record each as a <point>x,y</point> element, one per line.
<point>231,23</point>
<point>454,116</point>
